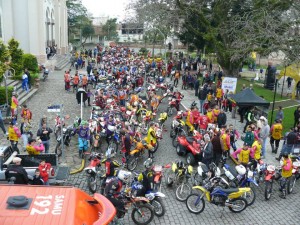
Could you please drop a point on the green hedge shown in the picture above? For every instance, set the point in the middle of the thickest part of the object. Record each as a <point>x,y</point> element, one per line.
<point>3,96</point>
<point>30,62</point>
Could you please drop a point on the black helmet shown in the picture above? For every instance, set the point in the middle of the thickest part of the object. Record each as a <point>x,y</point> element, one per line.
<point>180,164</point>
<point>285,154</point>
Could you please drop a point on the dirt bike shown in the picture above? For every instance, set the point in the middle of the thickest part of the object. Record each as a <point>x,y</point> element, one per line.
<point>94,170</point>
<point>232,198</point>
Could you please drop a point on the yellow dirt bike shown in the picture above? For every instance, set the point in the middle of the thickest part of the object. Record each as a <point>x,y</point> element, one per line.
<point>217,195</point>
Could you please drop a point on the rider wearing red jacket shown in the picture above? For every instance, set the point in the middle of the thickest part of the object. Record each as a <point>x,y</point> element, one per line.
<point>203,121</point>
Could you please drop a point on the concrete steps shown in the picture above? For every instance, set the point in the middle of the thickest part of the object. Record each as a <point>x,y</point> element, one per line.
<point>61,62</point>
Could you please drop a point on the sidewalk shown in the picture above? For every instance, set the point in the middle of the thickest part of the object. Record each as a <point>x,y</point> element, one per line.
<point>189,98</point>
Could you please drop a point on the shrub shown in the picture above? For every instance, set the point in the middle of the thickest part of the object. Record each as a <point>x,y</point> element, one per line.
<point>16,56</point>
<point>3,96</point>
<point>144,51</point>
<point>30,62</point>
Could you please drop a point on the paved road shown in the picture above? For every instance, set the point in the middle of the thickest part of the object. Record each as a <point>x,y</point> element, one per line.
<point>275,211</point>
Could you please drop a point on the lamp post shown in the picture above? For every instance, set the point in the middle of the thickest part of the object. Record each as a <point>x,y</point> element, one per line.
<point>274,97</point>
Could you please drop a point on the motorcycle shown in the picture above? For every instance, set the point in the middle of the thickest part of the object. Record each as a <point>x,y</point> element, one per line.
<point>67,134</point>
<point>157,176</point>
<point>296,175</point>
<point>94,170</point>
<point>171,106</point>
<point>177,130</point>
<point>114,139</point>
<point>190,146</point>
<point>141,208</point>
<point>270,174</point>
<point>45,74</point>
<point>137,153</point>
<point>232,198</point>
<point>154,197</point>
<point>204,174</point>
<point>241,177</point>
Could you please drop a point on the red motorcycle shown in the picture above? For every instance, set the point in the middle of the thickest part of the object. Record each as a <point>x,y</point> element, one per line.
<point>190,146</point>
<point>270,176</point>
<point>94,170</point>
<point>157,176</point>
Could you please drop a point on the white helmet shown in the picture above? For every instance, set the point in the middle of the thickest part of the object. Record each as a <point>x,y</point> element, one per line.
<point>240,169</point>
<point>148,163</point>
<point>124,175</point>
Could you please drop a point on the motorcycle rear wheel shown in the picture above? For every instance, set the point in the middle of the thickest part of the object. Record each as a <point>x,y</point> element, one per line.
<point>139,212</point>
<point>291,184</point>
<point>195,204</point>
<point>268,189</point>
<point>154,149</point>
<point>240,204</point>
<point>92,183</point>
<point>183,191</point>
<point>170,111</point>
<point>174,141</point>
<point>159,207</point>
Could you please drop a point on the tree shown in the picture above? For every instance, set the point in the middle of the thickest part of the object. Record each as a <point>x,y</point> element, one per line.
<point>109,29</point>
<point>16,55</point>
<point>87,31</point>
<point>4,55</point>
<point>235,28</point>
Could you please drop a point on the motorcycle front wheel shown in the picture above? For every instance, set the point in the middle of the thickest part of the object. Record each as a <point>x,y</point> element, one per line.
<point>142,214</point>
<point>131,163</point>
<point>154,149</point>
<point>183,191</point>
<point>250,196</point>
<point>195,204</point>
<point>238,205</point>
<point>291,184</point>
<point>268,189</point>
<point>92,183</point>
<point>159,207</point>
<point>58,150</point>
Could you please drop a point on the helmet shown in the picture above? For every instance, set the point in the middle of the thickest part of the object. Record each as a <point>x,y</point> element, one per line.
<point>84,123</point>
<point>180,164</point>
<point>240,169</point>
<point>124,175</point>
<point>285,154</point>
<point>148,163</point>
<point>179,113</point>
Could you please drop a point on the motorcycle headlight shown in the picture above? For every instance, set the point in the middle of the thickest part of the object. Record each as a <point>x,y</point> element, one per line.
<point>89,171</point>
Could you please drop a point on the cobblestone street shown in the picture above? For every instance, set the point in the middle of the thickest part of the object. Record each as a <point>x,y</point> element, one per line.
<point>275,211</point>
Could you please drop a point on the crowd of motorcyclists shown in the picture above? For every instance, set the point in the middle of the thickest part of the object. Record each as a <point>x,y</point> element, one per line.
<point>128,90</point>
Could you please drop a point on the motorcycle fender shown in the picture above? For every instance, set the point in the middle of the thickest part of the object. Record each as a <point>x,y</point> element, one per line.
<point>159,194</point>
<point>202,189</point>
<point>140,199</point>
<point>156,179</point>
<point>133,152</point>
<point>93,170</point>
<point>239,193</point>
<point>251,180</point>
<point>268,177</point>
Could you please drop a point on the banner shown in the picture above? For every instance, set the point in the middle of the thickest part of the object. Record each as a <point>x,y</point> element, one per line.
<point>229,83</point>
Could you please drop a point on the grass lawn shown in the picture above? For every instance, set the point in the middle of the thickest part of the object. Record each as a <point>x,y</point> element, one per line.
<point>288,120</point>
<point>259,90</point>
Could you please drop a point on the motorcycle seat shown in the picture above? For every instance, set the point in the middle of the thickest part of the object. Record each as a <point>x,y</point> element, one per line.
<point>190,139</point>
<point>230,190</point>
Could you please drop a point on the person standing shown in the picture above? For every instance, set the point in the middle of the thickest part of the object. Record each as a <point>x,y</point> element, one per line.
<point>296,116</point>
<point>207,156</point>
<point>279,114</point>
<point>29,78</point>
<point>67,79</point>
<point>264,134</point>
<point>286,172</point>
<point>14,104</point>
<point>17,171</point>
<point>2,123</point>
<point>221,118</point>
<point>202,97</point>
<point>13,136</point>
<point>218,148</point>
<point>291,139</point>
<point>44,134</point>
<point>176,78</point>
<point>25,82</point>
<point>249,119</point>
<point>276,134</point>
<point>84,82</point>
